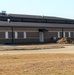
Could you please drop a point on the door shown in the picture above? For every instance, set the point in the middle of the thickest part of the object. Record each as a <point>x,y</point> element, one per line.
<point>41,39</point>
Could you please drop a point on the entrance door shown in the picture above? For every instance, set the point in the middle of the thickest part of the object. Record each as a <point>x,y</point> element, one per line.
<point>41,39</point>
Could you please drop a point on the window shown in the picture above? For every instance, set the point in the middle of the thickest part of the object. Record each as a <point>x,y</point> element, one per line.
<point>63,34</point>
<point>6,35</point>
<point>24,35</point>
<point>16,35</point>
<point>58,34</point>
<point>69,34</point>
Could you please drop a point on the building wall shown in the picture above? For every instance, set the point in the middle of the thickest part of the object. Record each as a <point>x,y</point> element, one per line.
<point>32,34</point>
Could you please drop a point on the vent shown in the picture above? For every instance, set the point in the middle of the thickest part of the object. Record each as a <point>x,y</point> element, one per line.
<point>3,12</point>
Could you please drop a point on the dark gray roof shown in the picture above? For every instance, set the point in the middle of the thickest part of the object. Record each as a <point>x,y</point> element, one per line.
<point>26,24</point>
<point>35,16</point>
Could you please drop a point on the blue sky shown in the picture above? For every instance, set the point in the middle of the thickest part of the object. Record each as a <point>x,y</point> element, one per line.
<point>59,8</point>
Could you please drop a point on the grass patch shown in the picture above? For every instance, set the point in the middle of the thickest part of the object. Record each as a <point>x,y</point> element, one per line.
<point>37,64</point>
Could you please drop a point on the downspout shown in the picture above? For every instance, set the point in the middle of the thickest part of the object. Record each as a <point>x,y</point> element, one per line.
<point>12,36</point>
<point>62,32</point>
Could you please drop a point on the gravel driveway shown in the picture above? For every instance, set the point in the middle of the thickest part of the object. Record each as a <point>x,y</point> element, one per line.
<point>67,49</point>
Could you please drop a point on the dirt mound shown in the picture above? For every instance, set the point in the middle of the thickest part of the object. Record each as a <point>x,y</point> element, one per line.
<point>63,41</point>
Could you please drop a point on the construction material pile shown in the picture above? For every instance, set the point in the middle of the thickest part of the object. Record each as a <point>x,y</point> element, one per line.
<point>63,41</point>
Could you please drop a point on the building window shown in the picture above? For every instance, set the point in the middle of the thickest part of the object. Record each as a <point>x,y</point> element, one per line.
<point>63,34</point>
<point>16,35</point>
<point>24,35</point>
<point>6,35</point>
<point>69,34</point>
<point>58,34</point>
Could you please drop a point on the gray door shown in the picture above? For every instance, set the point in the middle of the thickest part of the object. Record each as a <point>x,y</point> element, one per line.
<point>41,39</point>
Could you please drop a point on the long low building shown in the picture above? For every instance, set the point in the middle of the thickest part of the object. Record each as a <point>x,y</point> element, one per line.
<point>16,28</point>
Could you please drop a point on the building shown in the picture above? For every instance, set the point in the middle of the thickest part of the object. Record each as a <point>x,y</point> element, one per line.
<point>16,28</point>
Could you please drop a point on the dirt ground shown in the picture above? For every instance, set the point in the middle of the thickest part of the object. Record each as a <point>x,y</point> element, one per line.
<point>65,49</point>
<point>31,47</point>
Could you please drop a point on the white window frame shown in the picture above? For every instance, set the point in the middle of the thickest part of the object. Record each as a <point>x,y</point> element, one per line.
<point>6,35</point>
<point>24,33</point>
<point>58,34</point>
<point>64,34</point>
<point>16,34</point>
<point>69,34</point>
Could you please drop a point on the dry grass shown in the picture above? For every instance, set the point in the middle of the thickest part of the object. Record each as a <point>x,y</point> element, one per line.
<point>37,64</point>
<point>32,47</point>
